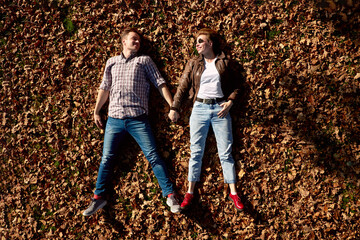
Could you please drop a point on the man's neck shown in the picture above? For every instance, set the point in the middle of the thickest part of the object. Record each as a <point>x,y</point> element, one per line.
<point>127,53</point>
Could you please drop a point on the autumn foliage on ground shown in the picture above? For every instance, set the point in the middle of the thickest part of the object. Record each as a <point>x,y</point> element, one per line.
<point>296,128</point>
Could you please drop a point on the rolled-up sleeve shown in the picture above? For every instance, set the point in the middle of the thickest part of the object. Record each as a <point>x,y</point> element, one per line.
<point>152,73</point>
<point>107,77</point>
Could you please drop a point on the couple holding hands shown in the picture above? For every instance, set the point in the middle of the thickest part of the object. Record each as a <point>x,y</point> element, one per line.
<point>211,80</point>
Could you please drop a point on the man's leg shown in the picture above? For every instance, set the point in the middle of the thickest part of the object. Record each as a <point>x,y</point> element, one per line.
<point>139,128</point>
<point>114,133</point>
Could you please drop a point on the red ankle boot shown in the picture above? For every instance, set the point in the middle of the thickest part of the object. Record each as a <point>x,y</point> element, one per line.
<point>237,202</point>
<point>187,200</point>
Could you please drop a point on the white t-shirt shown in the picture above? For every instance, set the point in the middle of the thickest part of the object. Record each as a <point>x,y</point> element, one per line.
<point>210,85</point>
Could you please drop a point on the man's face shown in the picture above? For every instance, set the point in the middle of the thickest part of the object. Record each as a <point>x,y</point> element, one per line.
<point>131,42</point>
<point>203,44</point>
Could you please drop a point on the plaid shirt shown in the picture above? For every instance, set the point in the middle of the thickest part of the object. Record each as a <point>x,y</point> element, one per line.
<point>128,81</point>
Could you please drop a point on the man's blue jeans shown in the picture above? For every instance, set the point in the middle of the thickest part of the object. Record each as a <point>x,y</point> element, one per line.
<point>139,129</point>
<point>202,116</point>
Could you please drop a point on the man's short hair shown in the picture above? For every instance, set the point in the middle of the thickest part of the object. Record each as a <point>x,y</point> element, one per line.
<point>128,30</point>
<point>213,36</point>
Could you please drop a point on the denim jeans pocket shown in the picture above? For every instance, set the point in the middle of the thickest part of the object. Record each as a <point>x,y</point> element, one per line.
<point>196,104</point>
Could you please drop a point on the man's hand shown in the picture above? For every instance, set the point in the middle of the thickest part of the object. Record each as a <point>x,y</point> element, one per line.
<point>173,115</point>
<point>98,121</point>
<point>102,97</point>
<point>226,108</point>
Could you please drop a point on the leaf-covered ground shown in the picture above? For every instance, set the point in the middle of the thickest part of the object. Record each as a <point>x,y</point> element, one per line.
<point>296,130</point>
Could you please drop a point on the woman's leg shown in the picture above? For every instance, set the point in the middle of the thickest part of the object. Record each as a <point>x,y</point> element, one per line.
<point>199,127</point>
<point>191,187</point>
<point>224,139</point>
<point>232,188</point>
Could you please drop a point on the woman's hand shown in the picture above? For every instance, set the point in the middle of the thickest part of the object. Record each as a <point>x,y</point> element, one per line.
<point>226,108</point>
<point>173,115</point>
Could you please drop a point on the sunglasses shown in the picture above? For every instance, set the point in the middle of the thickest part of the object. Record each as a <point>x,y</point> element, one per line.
<point>200,40</point>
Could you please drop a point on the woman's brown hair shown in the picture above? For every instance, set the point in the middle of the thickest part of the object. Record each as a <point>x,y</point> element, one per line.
<point>213,36</point>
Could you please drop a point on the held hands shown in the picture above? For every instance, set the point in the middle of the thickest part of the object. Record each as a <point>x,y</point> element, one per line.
<point>226,108</point>
<point>173,115</point>
<point>98,121</point>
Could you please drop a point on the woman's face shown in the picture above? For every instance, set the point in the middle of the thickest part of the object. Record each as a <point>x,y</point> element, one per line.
<point>203,44</point>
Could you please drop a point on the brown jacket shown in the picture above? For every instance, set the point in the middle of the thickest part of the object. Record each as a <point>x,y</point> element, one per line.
<point>230,76</point>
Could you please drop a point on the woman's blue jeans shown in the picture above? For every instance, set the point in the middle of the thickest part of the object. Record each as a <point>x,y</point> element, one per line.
<point>139,128</point>
<point>202,116</point>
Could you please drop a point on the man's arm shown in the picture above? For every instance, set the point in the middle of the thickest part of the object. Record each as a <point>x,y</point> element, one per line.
<point>165,93</point>
<point>102,97</point>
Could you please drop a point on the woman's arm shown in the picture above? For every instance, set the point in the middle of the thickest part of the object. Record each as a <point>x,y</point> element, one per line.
<point>184,86</point>
<point>182,90</point>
